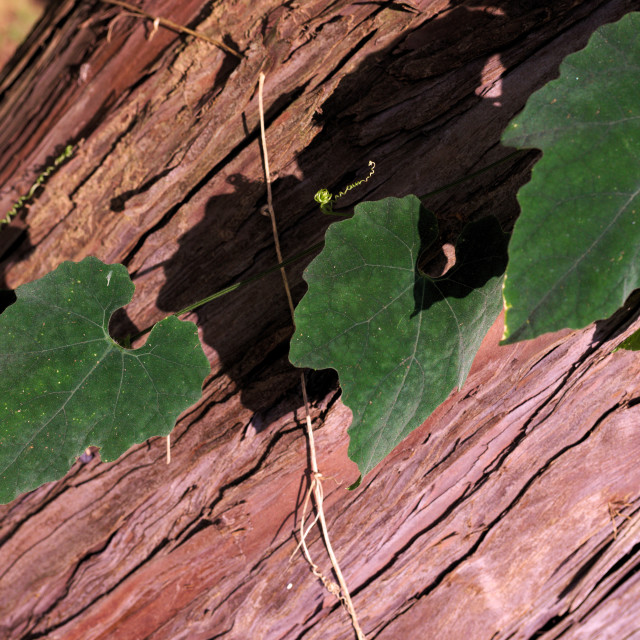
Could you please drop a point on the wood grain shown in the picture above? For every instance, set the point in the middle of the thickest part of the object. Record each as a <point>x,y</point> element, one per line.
<point>495,519</point>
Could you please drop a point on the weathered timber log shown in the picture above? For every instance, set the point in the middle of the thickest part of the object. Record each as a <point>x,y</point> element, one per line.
<point>511,513</point>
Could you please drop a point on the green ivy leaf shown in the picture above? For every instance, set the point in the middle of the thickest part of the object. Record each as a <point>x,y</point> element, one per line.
<point>65,384</point>
<point>400,341</point>
<point>575,252</point>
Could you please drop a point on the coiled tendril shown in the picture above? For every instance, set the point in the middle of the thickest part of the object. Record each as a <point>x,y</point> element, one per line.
<point>326,199</point>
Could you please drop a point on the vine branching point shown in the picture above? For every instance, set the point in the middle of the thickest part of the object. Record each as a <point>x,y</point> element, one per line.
<point>169,24</point>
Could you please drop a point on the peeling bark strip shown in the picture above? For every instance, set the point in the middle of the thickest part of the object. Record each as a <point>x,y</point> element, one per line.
<point>512,513</point>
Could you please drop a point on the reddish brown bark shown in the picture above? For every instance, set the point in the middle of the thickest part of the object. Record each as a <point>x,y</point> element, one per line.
<point>511,513</point>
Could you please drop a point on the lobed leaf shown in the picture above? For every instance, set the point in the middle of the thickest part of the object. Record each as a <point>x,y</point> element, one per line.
<point>65,384</point>
<point>574,256</point>
<point>399,340</point>
<point>632,343</point>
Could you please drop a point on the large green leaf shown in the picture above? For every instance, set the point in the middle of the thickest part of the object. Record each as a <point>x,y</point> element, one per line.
<point>65,384</point>
<point>575,252</point>
<point>400,341</point>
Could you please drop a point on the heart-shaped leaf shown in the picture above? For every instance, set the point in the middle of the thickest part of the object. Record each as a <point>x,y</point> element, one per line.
<point>400,341</point>
<point>574,256</point>
<point>65,384</point>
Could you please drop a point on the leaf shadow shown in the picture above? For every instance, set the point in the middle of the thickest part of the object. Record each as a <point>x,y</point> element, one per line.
<point>434,72</point>
<point>481,254</point>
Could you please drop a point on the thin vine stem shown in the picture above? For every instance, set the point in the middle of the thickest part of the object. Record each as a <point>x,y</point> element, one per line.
<point>174,26</point>
<point>315,487</point>
<point>237,285</point>
<point>27,197</point>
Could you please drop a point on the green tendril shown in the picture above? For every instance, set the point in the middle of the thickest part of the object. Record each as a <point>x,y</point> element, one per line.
<point>67,153</point>
<point>372,164</point>
<point>325,199</point>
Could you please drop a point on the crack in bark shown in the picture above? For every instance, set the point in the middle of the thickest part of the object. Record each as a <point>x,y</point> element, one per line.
<point>230,484</point>
<point>634,554</point>
<point>472,550</point>
<point>106,592</point>
<point>566,621</point>
<point>65,592</point>
<point>249,139</point>
<point>472,489</point>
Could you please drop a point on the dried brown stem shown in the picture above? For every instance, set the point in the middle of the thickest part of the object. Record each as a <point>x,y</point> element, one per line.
<point>157,20</point>
<point>315,487</point>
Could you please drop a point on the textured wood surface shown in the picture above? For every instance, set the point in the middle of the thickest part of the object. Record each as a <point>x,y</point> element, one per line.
<point>511,513</point>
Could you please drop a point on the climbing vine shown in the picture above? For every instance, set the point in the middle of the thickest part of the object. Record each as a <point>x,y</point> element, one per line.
<point>377,251</point>
<point>27,197</point>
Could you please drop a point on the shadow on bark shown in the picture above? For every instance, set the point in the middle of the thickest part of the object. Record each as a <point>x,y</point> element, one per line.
<point>398,92</point>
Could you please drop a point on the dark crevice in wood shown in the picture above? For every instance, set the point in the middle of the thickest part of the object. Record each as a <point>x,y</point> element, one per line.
<point>15,528</point>
<point>567,618</point>
<point>540,361</point>
<point>583,570</point>
<point>550,625</point>
<point>119,201</point>
<point>632,554</point>
<point>222,634</point>
<point>16,245</point>
<point>241,584</point>
<point>80,563</point>
<point>202,16</point>
<point>229,65</point>
<point>625,577</point>
<point>100,114</point>
<point>96,167</point>
<point>443,460</point>
<point>37,119</point>
<point>200,523</point>
<point>351,54</point>
<point>188,531</point>
<point>567,561</point>
<point>151,553</point>
<point>53,491</point>
<point>43,28</point>
<point>472,489</point>
<point>192,528</point>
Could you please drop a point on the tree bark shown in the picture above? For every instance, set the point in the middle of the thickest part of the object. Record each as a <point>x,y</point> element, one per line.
<point>511,513</point>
